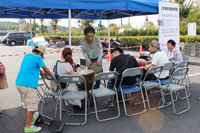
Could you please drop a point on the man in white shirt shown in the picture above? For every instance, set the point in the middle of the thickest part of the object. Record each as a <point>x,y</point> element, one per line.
<point>159,59</point>
<point>173,54</point>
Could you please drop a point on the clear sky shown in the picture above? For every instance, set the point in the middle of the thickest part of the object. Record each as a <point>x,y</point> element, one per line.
<point>136,21</point>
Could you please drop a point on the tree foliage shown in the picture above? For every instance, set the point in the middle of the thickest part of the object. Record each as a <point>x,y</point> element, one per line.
<point>150,25</point>
<point>185,7</point>
<point>27,26</point>
<point>87,23</point>
<point>54,24</point>
<point>43,27</point>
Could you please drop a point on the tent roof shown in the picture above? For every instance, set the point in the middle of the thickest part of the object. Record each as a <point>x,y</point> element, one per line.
<point>83,9</point>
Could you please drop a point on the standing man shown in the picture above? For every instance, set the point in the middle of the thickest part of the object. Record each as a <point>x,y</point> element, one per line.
<point>121,62</point>
<point>173,54</point>
<point>159,59</point>
<point>92,49</point>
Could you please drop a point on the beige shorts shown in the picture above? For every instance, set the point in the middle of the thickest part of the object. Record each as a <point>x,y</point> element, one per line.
<point>28,98</point>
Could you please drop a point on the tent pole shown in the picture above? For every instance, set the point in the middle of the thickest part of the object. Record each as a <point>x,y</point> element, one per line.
<point>31,34</point>
<point>69,23</point>
<point>109,38</point>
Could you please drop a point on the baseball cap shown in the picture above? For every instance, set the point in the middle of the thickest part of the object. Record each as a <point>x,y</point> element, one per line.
<point>41,48</point>
<point>155,43</point>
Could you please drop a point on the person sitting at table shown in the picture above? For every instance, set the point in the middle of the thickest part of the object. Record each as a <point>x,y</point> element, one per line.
<point>64,67</point>
<point>159,59</point>
<point>92,49</point>
<point>173,54</point>
<point>119,63</point>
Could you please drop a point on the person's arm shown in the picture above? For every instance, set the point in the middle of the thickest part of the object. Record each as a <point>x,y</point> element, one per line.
<point>71,72</point>
<point>84,50</point>
<point>178,57</point>
<point>99,45</point>
<point>112,65</point>
<point>147,62</point>
<point>46,70</point>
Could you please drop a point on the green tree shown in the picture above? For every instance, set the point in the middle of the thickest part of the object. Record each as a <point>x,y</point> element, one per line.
<point>150,25</point>
<point>87,23</point>
<point>27,26</point>
<point>43,27</point>
<point>127,26</point>
<point>54,24</point>
<point>112,24</point>
<point>114,28</point>
<point>9,27</point>
<point>185,7</point>
<point>194,15</point>
<point>101,26</point>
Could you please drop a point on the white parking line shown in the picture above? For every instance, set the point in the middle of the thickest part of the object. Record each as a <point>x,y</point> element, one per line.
<point>20,46</point>
<point>194,74</point>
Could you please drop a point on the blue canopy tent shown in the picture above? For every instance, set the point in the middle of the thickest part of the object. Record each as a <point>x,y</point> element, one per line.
<point>87,9</point>
<point>79,9</point>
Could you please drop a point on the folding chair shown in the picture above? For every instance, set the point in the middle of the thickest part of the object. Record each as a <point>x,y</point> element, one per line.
<point>73,95</point>
<point>174,88</point>
<point>137,88</point>
<point>187,80</point>
<point>49,92</point>
<point>186,58</point>
<point>40,84</point>
<point>150,84</point>
<point>168,66</point>
<point>102,92</point>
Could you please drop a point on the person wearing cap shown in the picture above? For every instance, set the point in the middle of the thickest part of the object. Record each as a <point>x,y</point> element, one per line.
<point>120,62</point>
<point>159,59</point>
<point>27,82</point>
<point>92,49</point>
<point>173,54</point>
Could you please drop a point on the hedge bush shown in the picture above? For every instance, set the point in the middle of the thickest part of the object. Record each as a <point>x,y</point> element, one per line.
<point>130,40</point>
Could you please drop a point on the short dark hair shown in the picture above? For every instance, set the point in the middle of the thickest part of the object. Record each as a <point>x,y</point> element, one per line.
<point>89,30</point>
<point>172,42</point>
<point>117,49</point>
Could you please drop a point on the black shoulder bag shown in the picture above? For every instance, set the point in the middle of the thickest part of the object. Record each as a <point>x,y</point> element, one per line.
<point>63,85</point>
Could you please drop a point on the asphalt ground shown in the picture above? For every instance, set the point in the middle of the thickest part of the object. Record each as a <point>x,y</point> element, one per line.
<point>13,118</point>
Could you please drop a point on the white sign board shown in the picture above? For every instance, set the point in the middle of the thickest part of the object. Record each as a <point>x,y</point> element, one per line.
<point>191,29</point>
<point>168,24</point>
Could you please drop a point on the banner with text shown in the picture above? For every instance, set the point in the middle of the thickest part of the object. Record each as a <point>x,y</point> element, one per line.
<point>168,24</point>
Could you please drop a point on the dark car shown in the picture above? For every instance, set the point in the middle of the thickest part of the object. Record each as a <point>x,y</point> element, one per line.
<point>13,38</point>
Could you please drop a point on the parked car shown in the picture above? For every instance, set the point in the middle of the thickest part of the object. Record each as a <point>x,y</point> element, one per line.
<point>2,34</point>
<point>13,38</point>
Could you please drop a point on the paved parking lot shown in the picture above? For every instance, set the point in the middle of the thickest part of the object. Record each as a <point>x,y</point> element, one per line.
<point>164,120</point>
